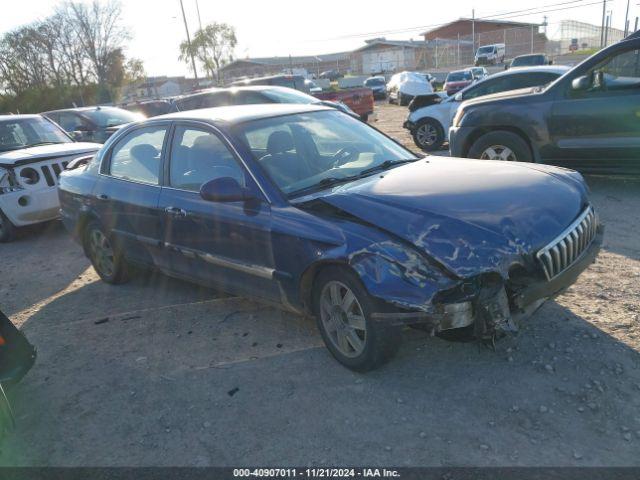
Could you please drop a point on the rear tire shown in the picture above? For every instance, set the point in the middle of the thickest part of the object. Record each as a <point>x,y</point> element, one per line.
<point>7,229</point>
<point>364,117</point>
<point>106,257</point>
<point>343,309</point>
<point>428,135</point>
<point>501,145</point>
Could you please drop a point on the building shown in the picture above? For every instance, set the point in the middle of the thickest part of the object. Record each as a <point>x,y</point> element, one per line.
<point>519,38</point>
<point>380,55</point>
<point>257,67</point>
<point>159,87</point>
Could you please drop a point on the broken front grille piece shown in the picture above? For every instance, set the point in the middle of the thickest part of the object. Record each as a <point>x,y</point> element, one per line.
<point>569,246</point>
<point>57,169</point>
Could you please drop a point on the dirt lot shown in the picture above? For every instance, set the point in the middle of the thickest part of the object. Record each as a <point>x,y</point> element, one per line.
<point>159,372</point>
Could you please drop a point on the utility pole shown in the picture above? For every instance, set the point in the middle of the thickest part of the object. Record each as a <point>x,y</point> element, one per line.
<point>473,31</point>
<point>186,27</point>
<point>604,13</point>
<point>626,21</point>
<point>606,29</point>
<point>635,29</point>
<point>198,10</point>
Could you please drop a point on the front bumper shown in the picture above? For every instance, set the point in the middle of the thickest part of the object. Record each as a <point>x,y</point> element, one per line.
<point>26,207</point>
<point>458,140</point>
<point>409,125</point>
<point>497,308</point>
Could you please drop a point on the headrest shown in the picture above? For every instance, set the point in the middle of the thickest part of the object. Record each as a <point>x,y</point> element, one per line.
<point>279,141</point>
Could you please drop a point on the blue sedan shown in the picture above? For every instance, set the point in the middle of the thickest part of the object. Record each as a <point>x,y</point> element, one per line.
<point>309,208</point>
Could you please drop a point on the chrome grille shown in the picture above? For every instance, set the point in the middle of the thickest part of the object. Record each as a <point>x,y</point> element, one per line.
<point>569,246</point>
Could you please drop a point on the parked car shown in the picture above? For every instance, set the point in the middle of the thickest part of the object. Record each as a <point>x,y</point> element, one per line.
<point>311,86</point>
<point>490,54</point>
<point>404,86</point>
<point>378,86</point>
<point>92,124</point>
<point>586,120</point>
<point>358,100</point>
<point>530,60</point>
<point>479,73</point>
<point>331,75</point>
<point>149,108</point>
<point>33,153</point>
<point>224,97</point>
<point>296,82</point>
<point>429,125</point>
<point>307,207</point>
<point>457,80</point>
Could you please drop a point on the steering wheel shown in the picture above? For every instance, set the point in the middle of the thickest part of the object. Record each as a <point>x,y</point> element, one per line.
<point>343,156</point>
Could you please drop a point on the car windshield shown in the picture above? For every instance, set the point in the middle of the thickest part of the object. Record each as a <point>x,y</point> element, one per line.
<point>459,76</point>
<point>109,117</point>
<point>486,49</point>
<point>311,151</point>
<point>528,61</point>
<point>373,82</point>
<point>288,95</point>
<point>29,132</point>
<point>477,71</point>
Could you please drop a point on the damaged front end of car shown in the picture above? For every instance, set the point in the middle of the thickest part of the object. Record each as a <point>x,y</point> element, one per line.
<point>506,284</point>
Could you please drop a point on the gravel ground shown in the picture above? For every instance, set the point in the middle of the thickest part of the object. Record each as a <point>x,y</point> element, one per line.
<point>160,372</point>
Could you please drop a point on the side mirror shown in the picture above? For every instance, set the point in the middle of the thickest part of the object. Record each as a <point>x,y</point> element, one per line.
<point>223,189</point>
<point>458,97</point>
<point>581,83</point>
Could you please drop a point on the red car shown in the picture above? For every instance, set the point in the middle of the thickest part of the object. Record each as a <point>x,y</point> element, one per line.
<point>457,80</point>
<point>360,100</point>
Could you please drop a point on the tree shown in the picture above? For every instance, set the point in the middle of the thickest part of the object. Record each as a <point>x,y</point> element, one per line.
<point>213,46</point>
<point>75,56</point>
<point>100,33</point>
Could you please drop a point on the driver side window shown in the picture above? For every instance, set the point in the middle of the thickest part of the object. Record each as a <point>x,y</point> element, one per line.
<point>621,72</point>
<point>199,156</point>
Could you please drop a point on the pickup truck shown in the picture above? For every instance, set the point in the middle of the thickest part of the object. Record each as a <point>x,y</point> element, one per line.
<point>360,100</point>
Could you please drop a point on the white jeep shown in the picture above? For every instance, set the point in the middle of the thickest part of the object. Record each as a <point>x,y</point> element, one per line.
<point>33,152</point>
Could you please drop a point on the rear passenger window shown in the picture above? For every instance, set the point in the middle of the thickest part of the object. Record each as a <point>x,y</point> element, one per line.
<point>198,156</point>
<point>137,156</point>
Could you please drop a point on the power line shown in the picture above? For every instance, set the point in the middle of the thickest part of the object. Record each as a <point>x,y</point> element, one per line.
<point>512,14</point>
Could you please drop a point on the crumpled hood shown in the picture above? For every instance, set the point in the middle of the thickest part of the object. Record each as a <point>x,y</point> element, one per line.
<point>43,152</point>
<point>470,216</point>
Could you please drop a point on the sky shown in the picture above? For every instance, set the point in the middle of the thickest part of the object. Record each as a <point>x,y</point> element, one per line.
<point>296,27</point>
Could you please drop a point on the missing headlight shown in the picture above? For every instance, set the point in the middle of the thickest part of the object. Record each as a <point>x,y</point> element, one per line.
<point>30,175</point>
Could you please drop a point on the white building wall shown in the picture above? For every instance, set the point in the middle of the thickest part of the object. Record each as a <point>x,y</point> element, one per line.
<point>387,60</point>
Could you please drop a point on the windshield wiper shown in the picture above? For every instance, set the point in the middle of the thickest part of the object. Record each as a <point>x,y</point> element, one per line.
<point>385,165</point>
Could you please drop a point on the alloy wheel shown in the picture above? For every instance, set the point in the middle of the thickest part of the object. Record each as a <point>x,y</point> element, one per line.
<point>499,152</point>
<point>343,319</point>
<point>101,253</point>
<point>427,134</point>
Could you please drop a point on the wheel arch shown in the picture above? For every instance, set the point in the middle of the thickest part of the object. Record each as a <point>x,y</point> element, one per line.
<point>308,279</point>
<point>480,131</point>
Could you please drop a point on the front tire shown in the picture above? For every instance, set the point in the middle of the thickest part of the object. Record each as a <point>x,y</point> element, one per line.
<point>501,145</point>
<point>7,229</point>
<point>107,259</point>
<point>343,311</point>
<point>428,135</point>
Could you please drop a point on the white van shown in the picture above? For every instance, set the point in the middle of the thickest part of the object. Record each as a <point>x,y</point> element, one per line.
<point>490,54</point>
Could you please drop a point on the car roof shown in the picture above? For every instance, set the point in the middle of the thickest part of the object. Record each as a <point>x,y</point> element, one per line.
<point>560,69</point>
<point>80,109</point>
<point>531,55</point>
<point>243,113</point>
<point>460,71</point>
<point>19,116</point>
<point>234,88</point>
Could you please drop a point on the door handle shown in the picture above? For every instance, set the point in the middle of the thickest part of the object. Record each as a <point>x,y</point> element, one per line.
<point>176,212</point>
